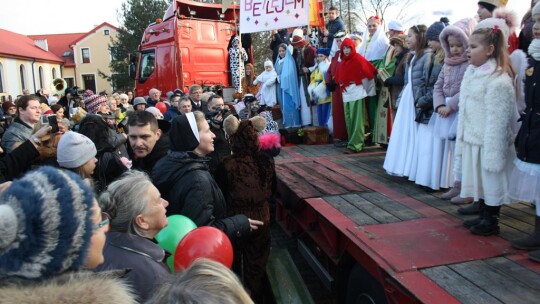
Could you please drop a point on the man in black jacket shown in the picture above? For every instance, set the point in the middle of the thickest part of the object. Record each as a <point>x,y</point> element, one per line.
<point>146,145</point>
<point>195,94</point>
<point>335,25</point>
<point>221,144</point>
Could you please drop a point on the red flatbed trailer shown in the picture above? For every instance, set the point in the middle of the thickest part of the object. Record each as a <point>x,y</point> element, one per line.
<point>376,238</point>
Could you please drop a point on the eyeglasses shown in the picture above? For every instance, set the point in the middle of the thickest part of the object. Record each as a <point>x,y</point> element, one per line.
<point>105,220</point>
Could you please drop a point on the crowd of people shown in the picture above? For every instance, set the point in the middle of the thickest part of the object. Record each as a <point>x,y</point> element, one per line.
<point>89,180</point>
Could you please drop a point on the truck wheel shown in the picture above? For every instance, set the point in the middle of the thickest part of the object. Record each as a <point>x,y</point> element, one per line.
<point>363,288</point>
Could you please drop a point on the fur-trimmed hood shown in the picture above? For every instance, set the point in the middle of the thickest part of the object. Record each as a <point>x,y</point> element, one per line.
<point>85,287</point>
<point>462,30</point>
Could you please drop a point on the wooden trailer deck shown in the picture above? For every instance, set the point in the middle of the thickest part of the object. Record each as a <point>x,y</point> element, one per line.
<point>347,203</point>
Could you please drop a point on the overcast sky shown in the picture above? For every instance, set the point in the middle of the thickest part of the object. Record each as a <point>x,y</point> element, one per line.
<point>75,16</point>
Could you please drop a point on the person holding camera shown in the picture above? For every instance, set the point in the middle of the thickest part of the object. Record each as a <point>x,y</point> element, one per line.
<point>69,101</point>
<point>9,113</point>
<point>217,112</point>
<point>28,114</point>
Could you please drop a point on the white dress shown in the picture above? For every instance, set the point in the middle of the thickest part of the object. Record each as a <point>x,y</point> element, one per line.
<point>399,156</point>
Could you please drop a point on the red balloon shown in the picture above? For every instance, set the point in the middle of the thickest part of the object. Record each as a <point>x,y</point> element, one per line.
<point>203,242</point>
<point>161,107</point>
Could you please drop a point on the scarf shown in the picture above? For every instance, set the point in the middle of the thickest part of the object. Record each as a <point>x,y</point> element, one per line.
<point>534,49</point>
<point>354,67</point>
<point>374,47</point>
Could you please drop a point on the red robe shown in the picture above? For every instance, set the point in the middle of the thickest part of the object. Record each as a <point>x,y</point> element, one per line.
<point>338,113</point>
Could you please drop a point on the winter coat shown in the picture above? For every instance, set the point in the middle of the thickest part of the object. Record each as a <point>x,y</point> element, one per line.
<point>424,100</point>
<point>183,179</point>
<point>13,165</point>
<point>171,113</point>
<point>16,134</point>
<point>333,28</point>
<point>147,163</point>
<point>142,256</point>
<point>448,86</point>
<point>397,80</point>
<point>83,287</point>
<point>486,110</point>
<point>528,139</point>
<point>417,74</point>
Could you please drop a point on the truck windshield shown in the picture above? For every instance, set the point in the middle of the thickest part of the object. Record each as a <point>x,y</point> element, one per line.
<point>147,65</point>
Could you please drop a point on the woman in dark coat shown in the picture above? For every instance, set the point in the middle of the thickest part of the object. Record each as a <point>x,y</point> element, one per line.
<point>183,179</point>
<point>247,179</point>
<point>137,214</point>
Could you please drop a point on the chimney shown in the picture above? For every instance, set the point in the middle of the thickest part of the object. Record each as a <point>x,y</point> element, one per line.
<point>42,44</point>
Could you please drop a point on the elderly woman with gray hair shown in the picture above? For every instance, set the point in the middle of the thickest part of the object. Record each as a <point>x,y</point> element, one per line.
<point>137,214</point>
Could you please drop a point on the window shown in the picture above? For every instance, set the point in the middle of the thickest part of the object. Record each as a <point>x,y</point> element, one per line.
<point>114,53</point>
<point>22,71</point>
<point>70,82</point>
<point>85,55</point>
<point>66,54</point>
<point>1,78</point>
<point>147,65</point>
<point>53,73</point>
<point>40,72</point>
<point>106,32</point>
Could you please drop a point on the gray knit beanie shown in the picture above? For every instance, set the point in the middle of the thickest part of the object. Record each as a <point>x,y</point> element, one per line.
<point>138,101</point>
<point>75,150</point>
<point>45,224</point>
<point>434,31</point>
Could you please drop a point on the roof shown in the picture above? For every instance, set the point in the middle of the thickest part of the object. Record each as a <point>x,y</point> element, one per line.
<point>21,46</point>
<point>95,30</point>
<point>59,43</point>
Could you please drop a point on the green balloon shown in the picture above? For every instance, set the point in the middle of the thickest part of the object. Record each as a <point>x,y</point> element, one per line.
<point>170,263</point>
<point>169,237</point>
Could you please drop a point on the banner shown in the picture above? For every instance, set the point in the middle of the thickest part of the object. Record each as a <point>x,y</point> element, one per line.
<point>266,15</point>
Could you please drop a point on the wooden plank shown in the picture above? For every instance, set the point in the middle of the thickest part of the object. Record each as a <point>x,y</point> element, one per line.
<point>299,149</point>
<point>298,185</point>
<point>339,179</point>
<point>497,283</point>
<point>516,272</point>
<point>380,215</point>
<point>354,214</point>
<point>316,180</point>
<point>458,286</point>
<point>393,207</point>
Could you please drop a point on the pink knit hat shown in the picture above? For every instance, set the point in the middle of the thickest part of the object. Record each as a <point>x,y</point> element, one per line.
<point>93,102</point>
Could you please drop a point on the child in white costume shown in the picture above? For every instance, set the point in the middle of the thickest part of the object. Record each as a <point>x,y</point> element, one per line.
<point>485,133</point>
<point>267,91</point>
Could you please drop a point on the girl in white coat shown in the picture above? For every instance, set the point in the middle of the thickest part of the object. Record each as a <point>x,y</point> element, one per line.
<point>485,135</point>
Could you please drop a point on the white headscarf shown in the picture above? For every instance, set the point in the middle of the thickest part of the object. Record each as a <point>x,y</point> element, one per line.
<point>377,45</point>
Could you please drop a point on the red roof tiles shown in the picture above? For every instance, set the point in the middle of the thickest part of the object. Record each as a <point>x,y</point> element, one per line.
<point>20,46</point>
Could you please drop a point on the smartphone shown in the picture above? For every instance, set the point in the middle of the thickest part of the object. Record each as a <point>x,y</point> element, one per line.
<point>53,123</point>
<point>44,119</point>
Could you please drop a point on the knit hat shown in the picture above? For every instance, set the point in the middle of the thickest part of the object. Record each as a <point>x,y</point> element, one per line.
<point>536,9</point>
<point>157,114</point>
<point>6,105</point>
<point>395,26</point>
<point>491,23</point>
<point>45,109</point>
<point>75,150</point>
<point>268,63</point>
<point>434,31</point>
<point>93,102</point>
<point>138,101</point>
<point>184,134</point>
<point>298,38</point>
<point>45,224</point>
<point>324,51</point>
<point>491,5</point>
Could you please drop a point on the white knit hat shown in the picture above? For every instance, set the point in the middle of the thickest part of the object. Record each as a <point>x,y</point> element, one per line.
<point>75,150</point>
<point>395,26</point>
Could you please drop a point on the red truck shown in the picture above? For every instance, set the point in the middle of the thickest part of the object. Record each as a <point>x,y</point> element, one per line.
<point>189,46</point>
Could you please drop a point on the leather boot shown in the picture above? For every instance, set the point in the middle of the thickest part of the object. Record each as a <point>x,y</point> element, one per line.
<point>452,192</point>
<point>476,221</point>
<point>490,222</point>
<point>531,242</point>
<point>534,255</point>
<point>457,200</point>
<point>473,208</point>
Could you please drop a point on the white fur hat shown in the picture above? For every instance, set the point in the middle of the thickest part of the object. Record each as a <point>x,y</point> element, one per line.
<point>268,62</point>
<point>536,9</point>
<point>297,32</point>
<point>492,22</point>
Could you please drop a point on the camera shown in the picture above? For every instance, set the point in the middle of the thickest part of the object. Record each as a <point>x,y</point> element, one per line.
<point>6,120</point>
<point>218,115</point>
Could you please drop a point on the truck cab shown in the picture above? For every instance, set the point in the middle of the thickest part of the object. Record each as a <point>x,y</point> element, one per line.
<point>189,46</point>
